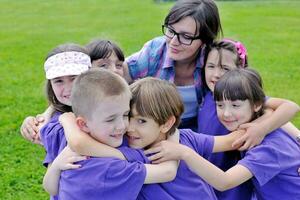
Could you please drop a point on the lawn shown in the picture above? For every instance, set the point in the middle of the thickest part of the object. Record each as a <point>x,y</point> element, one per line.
<point>29,29</point>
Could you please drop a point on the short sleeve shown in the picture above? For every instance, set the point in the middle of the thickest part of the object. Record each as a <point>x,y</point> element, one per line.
<point>263,163</point>
<point>53,139</point>
<point>201,143</point>
<point>133,155</point>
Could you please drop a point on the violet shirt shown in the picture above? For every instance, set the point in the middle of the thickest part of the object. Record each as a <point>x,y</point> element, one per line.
<point>209,124</point>
<point>103,178</point>
<point>186,185</point>
<point>274,165</point>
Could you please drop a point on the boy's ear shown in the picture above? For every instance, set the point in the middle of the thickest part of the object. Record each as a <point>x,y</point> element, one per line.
<point>257,107</point>
<point>81,123</point>
<point>166,126</point>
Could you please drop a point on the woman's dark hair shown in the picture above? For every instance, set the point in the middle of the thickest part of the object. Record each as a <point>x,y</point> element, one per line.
<point>204,12</point>
<point>52,100</point>
<point>98,49</point>
<point>241,84</point>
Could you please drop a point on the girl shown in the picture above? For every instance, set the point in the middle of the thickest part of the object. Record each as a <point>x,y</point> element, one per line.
<point>106,54</point>
<point>103,53</point>
<point>272,167</point>
<point>62,65</point>
<point>224,56</point>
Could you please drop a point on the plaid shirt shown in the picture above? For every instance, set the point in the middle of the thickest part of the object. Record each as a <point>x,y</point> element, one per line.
<point>152,60</point>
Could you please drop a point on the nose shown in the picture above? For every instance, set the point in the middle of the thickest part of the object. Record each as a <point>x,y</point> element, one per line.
<point>130,126</point>
<point>217,72</point>
<point>122,124</point>
<point>175,40</point>
<point>226,112</point>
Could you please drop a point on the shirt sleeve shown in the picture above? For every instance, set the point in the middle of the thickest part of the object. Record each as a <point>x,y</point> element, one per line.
<point>133,155</point>
<point>144,62</point>
<point>262,161</point>
<point>203,144</point>
<point>52,136</point>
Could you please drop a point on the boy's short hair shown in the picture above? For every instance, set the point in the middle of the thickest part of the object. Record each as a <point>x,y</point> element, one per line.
<point>92,87</point>
<point>157,99</point>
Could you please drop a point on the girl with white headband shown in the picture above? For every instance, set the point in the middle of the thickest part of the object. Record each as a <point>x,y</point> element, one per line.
<point>63,64</point>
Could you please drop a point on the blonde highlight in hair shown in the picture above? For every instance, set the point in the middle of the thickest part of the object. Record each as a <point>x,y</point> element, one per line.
<point>92,87</point>
<point>157,99</point>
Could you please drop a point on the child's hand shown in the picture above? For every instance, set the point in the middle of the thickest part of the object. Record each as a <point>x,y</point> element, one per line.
<point>254,136</point>
<point>66,159</point>
<point>165,150</point>
<point>30,129</point>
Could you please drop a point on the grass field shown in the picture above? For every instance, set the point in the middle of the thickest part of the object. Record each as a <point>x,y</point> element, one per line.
<point>29,29</point>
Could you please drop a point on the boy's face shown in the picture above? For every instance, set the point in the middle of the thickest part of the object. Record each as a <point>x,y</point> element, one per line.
<point>110,120</point>
<point>111,63</point>
<point>143,131</point>
<point>215,69</point>
<point>234,113</point>
<point>62,87</point>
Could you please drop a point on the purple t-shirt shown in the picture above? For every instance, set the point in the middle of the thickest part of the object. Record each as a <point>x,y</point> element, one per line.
<point>103,178</point>
<point>209,124</point>
<point>274,165</point>
<point>186,185</point>
<point>53,138</point>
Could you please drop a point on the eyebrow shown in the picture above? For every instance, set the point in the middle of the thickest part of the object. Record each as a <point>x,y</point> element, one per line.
<point>183,32</point>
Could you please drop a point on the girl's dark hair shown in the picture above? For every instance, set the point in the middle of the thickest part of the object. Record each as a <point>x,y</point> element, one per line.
<point>204,12</point>
<point>98,49</point>
<point>52,100</point>
<point>241,84</point>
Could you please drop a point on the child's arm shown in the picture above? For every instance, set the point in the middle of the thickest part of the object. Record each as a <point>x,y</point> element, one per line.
<point>63,161</point>
<point>284,111</point>
<point>84,144</point>
<point>292,130</point>
<point>203,168</point>
<point>30,128</point>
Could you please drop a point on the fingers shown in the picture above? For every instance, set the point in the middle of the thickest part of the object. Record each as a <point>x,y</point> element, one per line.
<point>40,118</point>
<point>155,157</point>
<point>245,126</point>
<point>29,128</point>
<point>239,142</point>
<point>72,166</point>
<point>245,146</point>
<point>152,150</point>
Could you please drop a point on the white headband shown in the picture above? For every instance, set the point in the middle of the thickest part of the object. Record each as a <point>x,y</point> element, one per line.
<point>66,64</point>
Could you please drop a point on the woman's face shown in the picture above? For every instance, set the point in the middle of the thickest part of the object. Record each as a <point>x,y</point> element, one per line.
<point>182,52</point>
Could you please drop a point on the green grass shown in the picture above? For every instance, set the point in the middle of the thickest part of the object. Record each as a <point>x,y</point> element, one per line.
<point>29,29</point>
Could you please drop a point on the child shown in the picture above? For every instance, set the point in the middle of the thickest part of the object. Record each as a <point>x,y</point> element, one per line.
<point>103,53</point>
<point>271,165</point>
<point>226,55</point>
<point>100,101</point>
<point>62,65</point>
<point>156,108</point>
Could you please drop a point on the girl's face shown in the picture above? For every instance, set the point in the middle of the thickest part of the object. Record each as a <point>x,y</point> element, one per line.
<point>215,69</point>
<point>234,113</point>
<point>143,131</point>
<point>109,121</point>
<point>111,63</point>
<point>181,52</point>
<point>62,87</point>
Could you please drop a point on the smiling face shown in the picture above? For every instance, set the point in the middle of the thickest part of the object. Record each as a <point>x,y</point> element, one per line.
<point>181,52</point>
<point>234,113</point>
<point>109,121</point>
<point>111,63</point>
<point>216,66</point>
<point>62,87</point>
<point>143,131</point>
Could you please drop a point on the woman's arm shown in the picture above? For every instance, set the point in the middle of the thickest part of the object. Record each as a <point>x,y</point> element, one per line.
<point>284,111</point>
<point>63,161</point>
